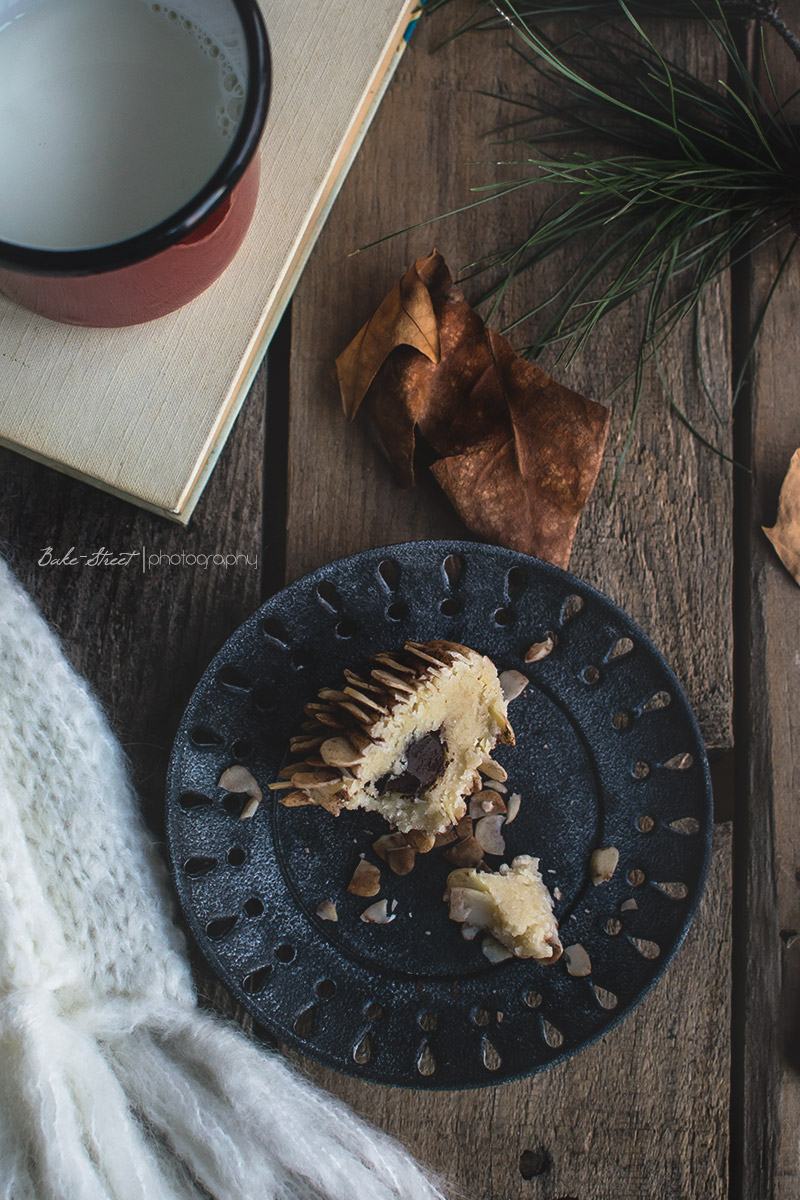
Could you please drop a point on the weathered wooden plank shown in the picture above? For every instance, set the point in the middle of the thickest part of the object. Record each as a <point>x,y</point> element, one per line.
<point>768,822</point>
<point>645,1113</point>
<point>641,1115</point>
<point>663,550</point>
<point>142,639</point>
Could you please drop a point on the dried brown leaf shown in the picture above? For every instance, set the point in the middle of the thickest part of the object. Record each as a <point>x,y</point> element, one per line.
<point>404,318</point>
<point>518,452</point>
<point>785,533</point>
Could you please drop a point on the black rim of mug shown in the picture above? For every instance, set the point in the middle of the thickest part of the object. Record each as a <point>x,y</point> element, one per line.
<point>181,224</point>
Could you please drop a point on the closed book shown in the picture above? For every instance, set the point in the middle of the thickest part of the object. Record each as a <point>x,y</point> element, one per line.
<point>143,412</point>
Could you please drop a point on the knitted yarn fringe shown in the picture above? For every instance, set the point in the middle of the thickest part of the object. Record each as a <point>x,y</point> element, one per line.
<point>113,1084</point>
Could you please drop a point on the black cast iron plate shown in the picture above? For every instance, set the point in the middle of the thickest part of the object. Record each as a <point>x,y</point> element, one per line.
<point>608,754</point>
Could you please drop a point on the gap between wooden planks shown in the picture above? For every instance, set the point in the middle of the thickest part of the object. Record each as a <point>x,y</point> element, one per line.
<point>643,1114</point>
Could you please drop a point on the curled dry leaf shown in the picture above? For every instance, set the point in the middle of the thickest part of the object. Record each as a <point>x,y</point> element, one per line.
<point>785,533</point>
<point>366,880</point>
<point>518,453</point>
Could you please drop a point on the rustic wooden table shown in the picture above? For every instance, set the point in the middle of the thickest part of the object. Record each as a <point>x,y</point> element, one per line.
<point>696,1094</point>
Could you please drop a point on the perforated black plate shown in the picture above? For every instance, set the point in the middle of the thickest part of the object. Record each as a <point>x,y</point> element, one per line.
<point>608,754</point>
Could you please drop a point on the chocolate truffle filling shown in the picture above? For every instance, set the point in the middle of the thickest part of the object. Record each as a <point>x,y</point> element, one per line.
<point>424,765</point>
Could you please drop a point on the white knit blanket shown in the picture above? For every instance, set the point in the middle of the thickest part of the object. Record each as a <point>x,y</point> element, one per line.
<point>113,1084</point>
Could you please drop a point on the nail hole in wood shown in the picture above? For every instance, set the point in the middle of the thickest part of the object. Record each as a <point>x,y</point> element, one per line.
<point>285,953</point>
<point>533,1163</point>
<point>253,907</point>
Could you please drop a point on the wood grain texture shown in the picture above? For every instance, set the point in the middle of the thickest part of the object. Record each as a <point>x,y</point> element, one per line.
<point>768,820</point>
<point>640,1115</point>
<point>645,1113</point>
<point>663,550</point>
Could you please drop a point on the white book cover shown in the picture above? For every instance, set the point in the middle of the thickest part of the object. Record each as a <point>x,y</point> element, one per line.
<point>143,412</point>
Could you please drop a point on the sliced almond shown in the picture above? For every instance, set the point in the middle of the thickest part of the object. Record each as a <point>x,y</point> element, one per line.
<point>366,879</point>
<point>467,853</point>
<point>387,842</point>
<point>394,682</point>
<point>238,779</point>
<point>446,838</point>
<point>366,701</point>
<point>495,951</point>
<point>603,864</point>
<point>512,808</point>
<point>280,785</point>
<point>468,932</point>
<point>540,650</point>
<point>513,684</point>
<point>496,786</point>
<point>326,911</point>
<point>493,770</point>
<point>628,905</point>
<point>314,779</point>
<point>339,752</point>
<point>296,800</point>
<point>420,840</point>
<point>396,667</point>
<point>485,803</point>
<point>401,861</point>
<point>463,827</point>
<point>487,833</point>
<point>577,960</point>
<point>377,914</point>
